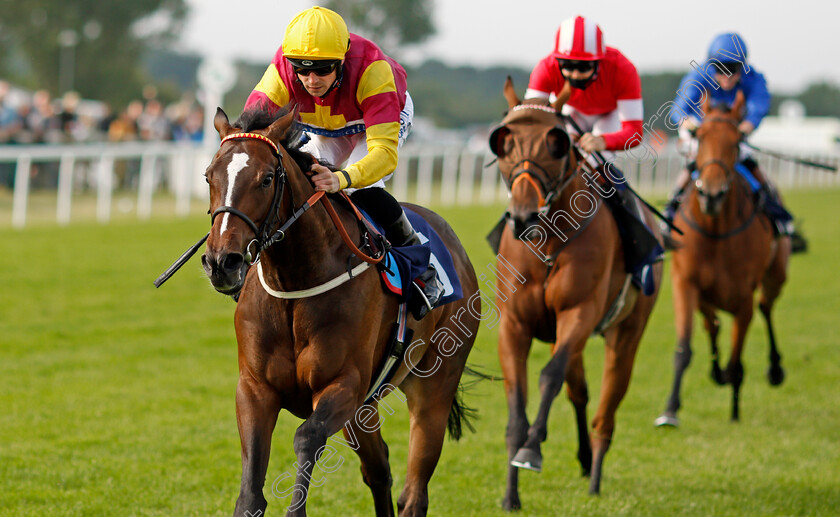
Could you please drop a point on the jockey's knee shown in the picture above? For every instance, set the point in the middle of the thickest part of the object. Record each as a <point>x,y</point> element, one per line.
<point>379,204</point>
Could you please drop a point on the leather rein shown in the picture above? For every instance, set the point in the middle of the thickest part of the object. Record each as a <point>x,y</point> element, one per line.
<point>264,237</point>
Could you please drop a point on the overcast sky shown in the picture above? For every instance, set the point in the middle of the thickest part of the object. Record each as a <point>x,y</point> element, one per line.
<point>791,42</point>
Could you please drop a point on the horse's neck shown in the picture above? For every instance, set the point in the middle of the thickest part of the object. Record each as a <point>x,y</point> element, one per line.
<point>310,250</point>
<point>571,211</point>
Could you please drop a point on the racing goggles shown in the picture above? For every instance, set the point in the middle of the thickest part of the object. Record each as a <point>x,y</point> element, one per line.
<point>727,68</point>
<point>572,65</point>
<point>321,68</point>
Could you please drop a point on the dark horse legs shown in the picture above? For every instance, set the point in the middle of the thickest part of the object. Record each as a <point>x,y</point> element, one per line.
<point>578,394</point>
<point>257,407</point>
<point>572,329</point>
<point>514,345</point>
<point>333,408</point>
<point>620,353</point>
<point>771,287</point>
<point>376,471</point>
<point>551,381</point>
<point>430,401</point>
<point>685,302</point>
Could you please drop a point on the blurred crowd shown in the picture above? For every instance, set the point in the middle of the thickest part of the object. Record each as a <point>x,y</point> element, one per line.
<point>33,118</point>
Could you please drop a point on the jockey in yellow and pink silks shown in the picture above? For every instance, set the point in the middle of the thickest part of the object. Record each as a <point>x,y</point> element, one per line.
<point>353,105</point>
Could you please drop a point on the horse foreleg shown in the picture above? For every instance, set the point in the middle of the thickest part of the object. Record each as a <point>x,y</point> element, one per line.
<point>775,373</point>
<point>579,397</point>
<point>735,370</point>
<point>685,303</point>
<point>573,327</point>
<point>619,354</point>
<point>713,328</point>
<point>771,287</point>
<point>257,406</point>
<point>334,410</point>
<point>376,470</point>
<point>514,344</point>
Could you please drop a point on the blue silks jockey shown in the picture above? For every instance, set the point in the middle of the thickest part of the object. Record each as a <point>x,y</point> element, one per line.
<point>718,80</point>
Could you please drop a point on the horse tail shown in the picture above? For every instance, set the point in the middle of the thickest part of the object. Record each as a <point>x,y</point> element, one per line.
<point>461,415</point>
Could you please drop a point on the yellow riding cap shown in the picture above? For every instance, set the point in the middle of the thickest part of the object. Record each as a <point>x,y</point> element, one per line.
<point>316,33</point>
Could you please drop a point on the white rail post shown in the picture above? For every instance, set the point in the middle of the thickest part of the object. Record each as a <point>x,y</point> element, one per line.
<point>449,180</point>
<point>65,189</point>
<point>182,184</point>
<point>399,183</point>
<point>146,185</point>
<point>425,168</point>
<point>466,179</point>
<point>104,188</point>
<point>489,179</point>
<point>21,196</point>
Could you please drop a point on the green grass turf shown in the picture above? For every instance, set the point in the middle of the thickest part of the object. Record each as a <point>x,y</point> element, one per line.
<point>117,398</point>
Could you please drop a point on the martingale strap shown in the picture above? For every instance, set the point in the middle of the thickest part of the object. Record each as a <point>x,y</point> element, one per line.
<point>312,291</point>
<point>367,260</point>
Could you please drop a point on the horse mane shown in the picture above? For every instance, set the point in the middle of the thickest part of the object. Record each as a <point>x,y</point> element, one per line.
<point>262,115</point>
<point>721,106</point>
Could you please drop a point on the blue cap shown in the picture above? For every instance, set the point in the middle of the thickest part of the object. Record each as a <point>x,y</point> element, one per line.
<point>728,44</point>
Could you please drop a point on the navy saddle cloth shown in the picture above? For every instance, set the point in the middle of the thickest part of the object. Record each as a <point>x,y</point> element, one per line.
<point>402,265</point>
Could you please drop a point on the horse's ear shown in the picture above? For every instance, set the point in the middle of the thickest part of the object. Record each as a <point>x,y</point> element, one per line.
<point>222,124</point>
<point>738,106</point>
<point>510,93</point>
<point>278,129</point>
<point>707,104</point>
<point>563,97</point>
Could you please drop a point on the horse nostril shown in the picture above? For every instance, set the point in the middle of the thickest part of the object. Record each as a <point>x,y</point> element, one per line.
<point>233,262</point>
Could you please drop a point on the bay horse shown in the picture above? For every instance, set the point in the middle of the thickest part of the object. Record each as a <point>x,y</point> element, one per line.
<point>726,253</point>
<point>315,350</point>
<point>568,286</point>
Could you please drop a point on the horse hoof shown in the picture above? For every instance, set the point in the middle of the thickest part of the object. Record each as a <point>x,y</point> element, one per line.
<point>586,467</point>
<point>776,375</point>
<point>527,459</point>
<point>511,505</point>
<point>717,376</point>
<point>666,421</point>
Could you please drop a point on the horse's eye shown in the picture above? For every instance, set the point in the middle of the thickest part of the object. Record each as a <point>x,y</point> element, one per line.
<point>206,179</point>
<point>269,178</point>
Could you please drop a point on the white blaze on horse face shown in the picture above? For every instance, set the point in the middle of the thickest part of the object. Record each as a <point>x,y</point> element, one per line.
<point>237,162</point>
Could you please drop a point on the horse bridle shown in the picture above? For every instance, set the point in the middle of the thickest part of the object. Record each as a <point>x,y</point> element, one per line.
<point>546,190</point>
<point>698,183</point>
<point>731,175</point>
<point>727,169</point>
<point>262,239</point>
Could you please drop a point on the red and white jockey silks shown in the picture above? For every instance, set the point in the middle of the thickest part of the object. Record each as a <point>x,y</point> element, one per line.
<point>579,39</point>
<point>614,97</point>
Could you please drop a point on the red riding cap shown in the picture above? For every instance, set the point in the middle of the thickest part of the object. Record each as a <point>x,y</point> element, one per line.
<point>579,39</point>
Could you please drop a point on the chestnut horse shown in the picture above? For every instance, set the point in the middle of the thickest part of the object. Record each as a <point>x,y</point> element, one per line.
<point>562,290</point>
<point>727,252</point>
<point>315,349</point>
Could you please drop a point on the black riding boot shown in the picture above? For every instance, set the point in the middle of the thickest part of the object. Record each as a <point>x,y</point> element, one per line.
<point>639,241</point>
<point>401,233</point>
<point>775,210</point>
